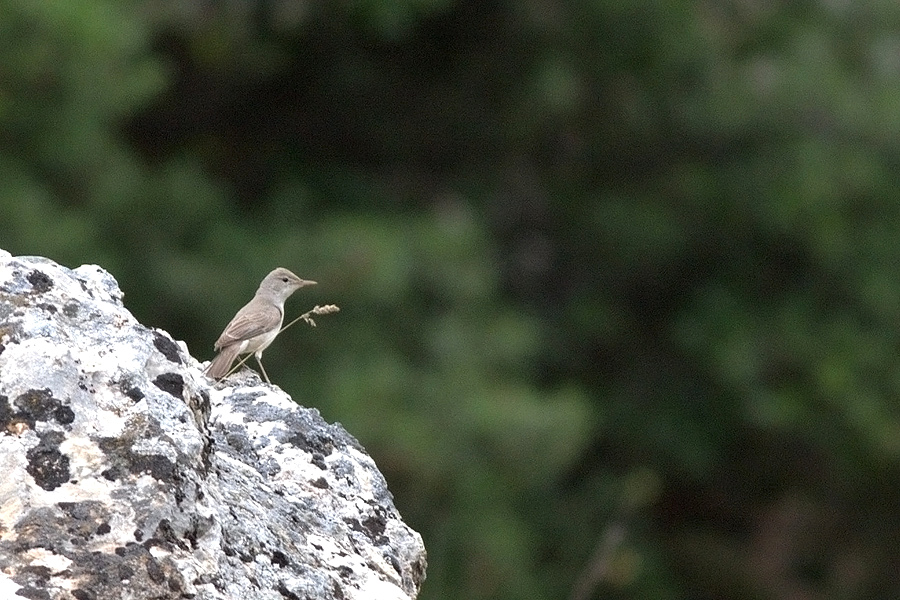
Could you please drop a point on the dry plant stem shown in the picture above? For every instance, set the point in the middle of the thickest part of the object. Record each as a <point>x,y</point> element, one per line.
<point>237,365</point>
<point>599,566</point>
<point>316,310</point>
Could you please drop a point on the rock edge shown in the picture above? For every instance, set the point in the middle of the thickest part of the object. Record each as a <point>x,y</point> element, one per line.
<point>128,475</point>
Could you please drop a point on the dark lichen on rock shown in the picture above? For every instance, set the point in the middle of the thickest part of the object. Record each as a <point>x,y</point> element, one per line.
<point>40,281</point>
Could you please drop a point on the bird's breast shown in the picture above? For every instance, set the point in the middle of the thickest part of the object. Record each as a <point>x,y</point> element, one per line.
<point>260,342</point>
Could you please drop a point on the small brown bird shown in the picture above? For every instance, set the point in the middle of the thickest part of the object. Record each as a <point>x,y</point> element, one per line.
<point>256,325</point>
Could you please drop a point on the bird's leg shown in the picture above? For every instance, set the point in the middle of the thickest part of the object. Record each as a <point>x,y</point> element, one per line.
<point>261,368</point>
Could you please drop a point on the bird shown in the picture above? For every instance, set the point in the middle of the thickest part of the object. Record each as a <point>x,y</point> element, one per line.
<point>257,324</point>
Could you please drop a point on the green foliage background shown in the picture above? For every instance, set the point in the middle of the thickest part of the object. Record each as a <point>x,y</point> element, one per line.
<point>619,280</point>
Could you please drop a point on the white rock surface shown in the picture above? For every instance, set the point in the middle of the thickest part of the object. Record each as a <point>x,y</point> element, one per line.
<point>125,474</point>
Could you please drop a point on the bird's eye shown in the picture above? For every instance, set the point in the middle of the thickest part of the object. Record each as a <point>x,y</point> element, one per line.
<point>284,279</point>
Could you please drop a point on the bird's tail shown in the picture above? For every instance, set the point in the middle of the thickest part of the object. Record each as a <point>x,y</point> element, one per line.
<point>221,364</point>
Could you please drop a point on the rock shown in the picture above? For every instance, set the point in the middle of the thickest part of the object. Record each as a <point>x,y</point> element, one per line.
<point>126,474</point>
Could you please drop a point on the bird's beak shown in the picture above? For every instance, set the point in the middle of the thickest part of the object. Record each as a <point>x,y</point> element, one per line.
<point>306,282</point>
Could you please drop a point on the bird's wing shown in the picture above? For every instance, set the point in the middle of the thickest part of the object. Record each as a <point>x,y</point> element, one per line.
<point>248,323</point>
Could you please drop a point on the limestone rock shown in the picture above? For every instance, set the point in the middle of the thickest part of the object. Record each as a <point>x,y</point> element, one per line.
<point>126,474</point>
